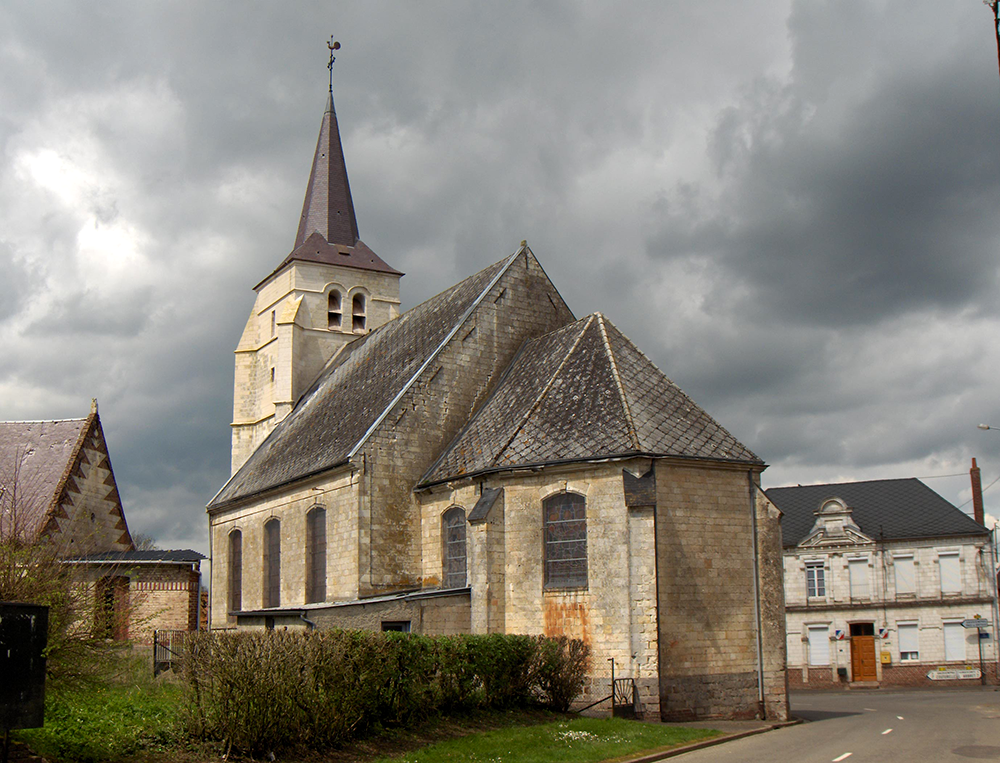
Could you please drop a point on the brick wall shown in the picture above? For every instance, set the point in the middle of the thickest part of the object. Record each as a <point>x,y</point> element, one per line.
<point>895,675</point>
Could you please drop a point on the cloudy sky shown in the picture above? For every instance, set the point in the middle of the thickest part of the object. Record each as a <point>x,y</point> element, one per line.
<point>791,207</point>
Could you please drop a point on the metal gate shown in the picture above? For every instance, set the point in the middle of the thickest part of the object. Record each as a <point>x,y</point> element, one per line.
<point>167,650</point>
<point>624,699</point>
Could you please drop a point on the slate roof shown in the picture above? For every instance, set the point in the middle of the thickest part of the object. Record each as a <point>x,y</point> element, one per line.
<point>328,227</point>
<point>898,508</point>
<point>328,207</point>
<point>45,451</point>
<point>359,386</point>
<point>140,557</point>
<point>583,392</point>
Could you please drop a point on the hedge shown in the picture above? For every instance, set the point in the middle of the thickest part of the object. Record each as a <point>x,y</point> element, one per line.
<point>264,691</point>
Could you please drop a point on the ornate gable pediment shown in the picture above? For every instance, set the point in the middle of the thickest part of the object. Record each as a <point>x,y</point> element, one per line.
<point>835,526</point>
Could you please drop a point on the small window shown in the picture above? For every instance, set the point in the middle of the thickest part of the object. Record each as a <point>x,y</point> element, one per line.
<point>565,517</point>
<point>235,571</point>
<point>316,555</point>
<point>358,313</point>
<point>909,642</point>
<point>815,579</point>
<point>272,374</point>
<point>396,626</point>
<point>454,548</point>
<point>272,564</point>
<point>274,322</point>
<point>334,310</point>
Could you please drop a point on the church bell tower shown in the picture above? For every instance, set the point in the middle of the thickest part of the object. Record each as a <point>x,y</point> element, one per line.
<point>330,290</point>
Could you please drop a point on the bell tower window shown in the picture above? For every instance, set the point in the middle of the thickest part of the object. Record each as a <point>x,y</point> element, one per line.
<point>334,310</point>
<point>358,313</point>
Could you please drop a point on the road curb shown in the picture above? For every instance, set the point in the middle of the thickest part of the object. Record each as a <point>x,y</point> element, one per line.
<point>673,751</point>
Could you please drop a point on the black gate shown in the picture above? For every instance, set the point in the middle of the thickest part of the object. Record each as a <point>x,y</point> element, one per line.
<point>624,700</point>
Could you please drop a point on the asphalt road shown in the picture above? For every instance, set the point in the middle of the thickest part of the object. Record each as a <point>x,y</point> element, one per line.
<point>882,726</point>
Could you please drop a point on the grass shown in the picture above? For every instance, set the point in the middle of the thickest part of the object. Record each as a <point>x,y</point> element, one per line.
<point>107,721</point>
<point>569,741</point>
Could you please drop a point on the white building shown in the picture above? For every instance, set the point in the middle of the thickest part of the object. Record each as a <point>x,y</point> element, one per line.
<point>879,578</point>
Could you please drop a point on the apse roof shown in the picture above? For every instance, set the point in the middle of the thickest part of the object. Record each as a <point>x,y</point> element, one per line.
<point>583,392</point>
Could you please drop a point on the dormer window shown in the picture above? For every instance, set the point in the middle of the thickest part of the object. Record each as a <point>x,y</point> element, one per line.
<point>358,314</point>
<point>334,310</point>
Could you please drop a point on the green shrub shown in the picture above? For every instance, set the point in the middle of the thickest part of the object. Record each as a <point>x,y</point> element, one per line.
<point>264,691</point>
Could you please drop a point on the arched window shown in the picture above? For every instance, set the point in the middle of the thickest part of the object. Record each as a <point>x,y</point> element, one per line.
<point>454,548</point>
<point>358,312</point>
<point>565,516</point>
<point>316,555</point>
<point>235,571</point>
<point>272,563</point>
<point>334,310</point>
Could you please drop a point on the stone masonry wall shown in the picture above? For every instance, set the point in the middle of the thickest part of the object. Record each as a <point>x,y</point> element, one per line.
<point>615,614</point>
<point>707,646</point>
<point>522,304</point>
<point>436,616</point>
<point>772,609</point>
<point>338,494</point>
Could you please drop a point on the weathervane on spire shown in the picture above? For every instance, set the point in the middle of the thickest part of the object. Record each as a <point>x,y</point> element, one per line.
<point>332,45</point>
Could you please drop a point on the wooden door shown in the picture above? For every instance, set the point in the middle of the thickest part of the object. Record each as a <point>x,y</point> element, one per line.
<point>863,658</point>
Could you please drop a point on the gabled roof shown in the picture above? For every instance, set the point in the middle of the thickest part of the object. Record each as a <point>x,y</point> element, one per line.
<point>35,459</point>
<point>892,509</point>
<point>357,389</point>
<point>40,463</point>
<point>583,392</point>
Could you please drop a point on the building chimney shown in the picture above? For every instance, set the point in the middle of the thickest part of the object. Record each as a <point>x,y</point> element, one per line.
<point>977,493</point>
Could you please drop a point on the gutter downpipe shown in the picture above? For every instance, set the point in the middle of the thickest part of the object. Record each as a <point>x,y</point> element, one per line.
<point>756,596</point>
<point>996,597</point>
<point>211,574</point>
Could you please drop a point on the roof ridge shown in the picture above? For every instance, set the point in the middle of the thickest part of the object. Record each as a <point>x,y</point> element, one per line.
<point>632,430</point>
<point>45,421</point>
<point>437,351</point>
<point>548,385</point>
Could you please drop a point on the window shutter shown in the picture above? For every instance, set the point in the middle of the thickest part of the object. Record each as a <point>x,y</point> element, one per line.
<point>954,642</point>
<point>909,637</point>
<point>819,645</point>
<point>906,581</point>
<point>859,578</point>
<point>951,580</point>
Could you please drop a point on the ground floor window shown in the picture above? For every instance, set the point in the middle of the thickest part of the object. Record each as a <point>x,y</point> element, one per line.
<point>909,641</point>
<point>954,642</point>
<point>398,626</point>
<point>819,644</point>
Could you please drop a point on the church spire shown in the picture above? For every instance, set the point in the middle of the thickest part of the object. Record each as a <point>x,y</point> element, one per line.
<point>328,207</point>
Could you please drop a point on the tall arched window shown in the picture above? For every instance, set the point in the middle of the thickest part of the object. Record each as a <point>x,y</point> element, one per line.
<point>272,563</point>
<point>235,571</point>
<point>359,314</point>
<point>316,555</point>
<point>334,310</point>
<point>454,548</point>
<point>565,516</point>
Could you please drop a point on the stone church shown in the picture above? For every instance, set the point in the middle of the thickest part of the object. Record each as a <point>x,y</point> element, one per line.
<point>487,462</point>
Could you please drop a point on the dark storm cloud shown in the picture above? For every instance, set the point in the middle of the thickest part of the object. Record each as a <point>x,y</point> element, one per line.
<point>762,198</point>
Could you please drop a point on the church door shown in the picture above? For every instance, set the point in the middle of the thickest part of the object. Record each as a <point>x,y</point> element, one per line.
<point>863,652</point>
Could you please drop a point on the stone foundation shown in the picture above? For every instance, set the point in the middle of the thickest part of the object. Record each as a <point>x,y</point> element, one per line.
<point>688,698</point>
